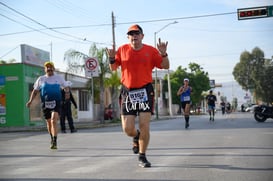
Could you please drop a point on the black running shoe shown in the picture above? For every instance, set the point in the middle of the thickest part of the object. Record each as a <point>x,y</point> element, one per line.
<point>143,162</point>
<point>53,145</point>
<point>135,143</point>
<point>73,131</point>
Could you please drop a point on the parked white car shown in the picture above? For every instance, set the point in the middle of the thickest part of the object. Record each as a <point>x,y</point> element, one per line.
<point>251,108</point>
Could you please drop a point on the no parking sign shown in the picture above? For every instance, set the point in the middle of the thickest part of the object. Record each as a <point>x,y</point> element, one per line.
<point>91,67</point>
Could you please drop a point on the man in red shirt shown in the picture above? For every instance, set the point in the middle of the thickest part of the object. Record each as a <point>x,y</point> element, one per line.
<point>137,61</point>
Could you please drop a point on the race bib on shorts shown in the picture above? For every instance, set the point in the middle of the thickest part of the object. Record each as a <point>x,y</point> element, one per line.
<point>50,104</point>
<point>139,95</point>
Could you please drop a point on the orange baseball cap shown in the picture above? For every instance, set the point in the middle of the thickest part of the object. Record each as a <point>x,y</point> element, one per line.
<point>135,27</point>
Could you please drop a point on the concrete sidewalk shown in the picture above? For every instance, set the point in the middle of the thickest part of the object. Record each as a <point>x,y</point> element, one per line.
<point>77,124</point>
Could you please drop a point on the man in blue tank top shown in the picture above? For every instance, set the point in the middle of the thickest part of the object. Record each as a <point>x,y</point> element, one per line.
<point>185,97</point>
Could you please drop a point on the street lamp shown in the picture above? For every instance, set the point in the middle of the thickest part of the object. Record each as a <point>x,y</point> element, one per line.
<point>156,96</point>
<point>170,94</point>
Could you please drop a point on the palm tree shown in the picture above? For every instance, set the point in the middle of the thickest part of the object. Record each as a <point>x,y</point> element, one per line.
<point>74,66</point>
<point>113,82</point>
<point>6,62</point>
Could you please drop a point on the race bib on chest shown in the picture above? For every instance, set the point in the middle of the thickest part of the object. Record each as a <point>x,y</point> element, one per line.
<point>50,104</point>
<point>139,95</point>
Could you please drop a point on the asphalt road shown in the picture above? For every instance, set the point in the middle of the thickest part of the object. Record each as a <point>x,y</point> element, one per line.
<point>235,147</point>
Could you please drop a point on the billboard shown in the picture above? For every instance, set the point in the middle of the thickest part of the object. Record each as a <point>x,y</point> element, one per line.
<point>34,56</point>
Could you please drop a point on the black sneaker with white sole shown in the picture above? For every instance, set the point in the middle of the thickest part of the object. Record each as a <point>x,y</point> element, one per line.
<point>143,162</point>
<point>53,145</point>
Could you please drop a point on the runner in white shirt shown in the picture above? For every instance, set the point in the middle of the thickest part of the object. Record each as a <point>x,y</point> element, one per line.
<point>49,86</point>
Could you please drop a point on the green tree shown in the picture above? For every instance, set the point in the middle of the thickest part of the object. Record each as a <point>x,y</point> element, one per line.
<point>254,73</point>
<point>113,82</point>
<point>74,66</point>
<point>176,79</point>
<point>242,71</point>
<point>264,89</point>
<point>8,61</point>
<point>199,81</point>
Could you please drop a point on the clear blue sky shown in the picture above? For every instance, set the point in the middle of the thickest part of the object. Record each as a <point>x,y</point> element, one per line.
<point>214,42</point>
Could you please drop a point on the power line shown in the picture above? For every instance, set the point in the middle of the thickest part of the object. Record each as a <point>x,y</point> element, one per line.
<point>85,26</point>
<point>181,18</point>
<point>132,22</point>
<point>9,52</point>
<point>52,28</point>
<point>69,8</point>
<point>34,20</point>
<point>82,39</point>
<point>33,29</point>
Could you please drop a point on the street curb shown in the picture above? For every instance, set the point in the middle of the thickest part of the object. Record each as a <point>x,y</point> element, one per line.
<point>78,125</point>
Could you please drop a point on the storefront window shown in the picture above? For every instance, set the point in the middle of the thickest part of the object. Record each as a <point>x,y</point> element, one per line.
<point>83,100</point>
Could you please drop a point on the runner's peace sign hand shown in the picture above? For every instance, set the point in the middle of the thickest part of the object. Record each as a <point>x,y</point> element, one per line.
<point>162,47</point>
<point>111,53</point>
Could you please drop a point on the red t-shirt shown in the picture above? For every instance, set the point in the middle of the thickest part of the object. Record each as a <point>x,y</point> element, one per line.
<point>137,65</point>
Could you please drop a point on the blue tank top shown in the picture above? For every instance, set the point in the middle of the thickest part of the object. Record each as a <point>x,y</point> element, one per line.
<point>186,96</point>
<point>50,92</point>
<point>50,87</point>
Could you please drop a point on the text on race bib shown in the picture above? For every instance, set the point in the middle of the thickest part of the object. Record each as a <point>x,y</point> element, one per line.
<point>139,95</point>
<point>50,104</point>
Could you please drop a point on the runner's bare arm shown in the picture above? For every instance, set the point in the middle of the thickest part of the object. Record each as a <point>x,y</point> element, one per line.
<point>32,96</point>
<point>180,90</point>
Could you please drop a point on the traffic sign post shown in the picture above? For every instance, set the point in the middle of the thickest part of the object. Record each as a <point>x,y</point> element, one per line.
<point>255,12</point>
<point>91,67</point>
<point>91,70</point>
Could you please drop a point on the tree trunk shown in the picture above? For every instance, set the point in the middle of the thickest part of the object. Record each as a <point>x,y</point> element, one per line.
<point>115,103</point>
<point>101,111</point>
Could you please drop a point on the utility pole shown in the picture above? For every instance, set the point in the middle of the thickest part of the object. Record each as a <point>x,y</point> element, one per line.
<point>113,31</point>
<point>51,51</point>
<point>115,106</point>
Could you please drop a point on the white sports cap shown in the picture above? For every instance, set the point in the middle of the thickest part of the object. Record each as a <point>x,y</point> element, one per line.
<point>68,84</point>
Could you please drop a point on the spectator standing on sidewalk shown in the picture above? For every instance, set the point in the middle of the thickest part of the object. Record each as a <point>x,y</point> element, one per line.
<point>137,61</point>
<point>67,99</point>
<point>223,107</point>
<point>185,98</point>
<point>49,86</point>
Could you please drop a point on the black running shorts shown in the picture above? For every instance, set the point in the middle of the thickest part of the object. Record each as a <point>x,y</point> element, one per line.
<point>184,103</point>
<point>133,101</point>
<point>55,106</point>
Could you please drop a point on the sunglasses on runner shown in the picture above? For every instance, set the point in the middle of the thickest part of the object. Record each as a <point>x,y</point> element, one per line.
<point>134,33</point>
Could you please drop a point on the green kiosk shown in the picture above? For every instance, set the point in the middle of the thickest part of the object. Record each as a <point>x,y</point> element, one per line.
<point>16,84</point>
